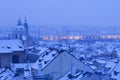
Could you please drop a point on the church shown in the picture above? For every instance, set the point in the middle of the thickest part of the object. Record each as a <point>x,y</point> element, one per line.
<point>21,32</point>
<point>15,49</point>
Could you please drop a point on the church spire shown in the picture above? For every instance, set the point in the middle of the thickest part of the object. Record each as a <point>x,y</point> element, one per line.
<point>25,24</point>
<point>19,22</point>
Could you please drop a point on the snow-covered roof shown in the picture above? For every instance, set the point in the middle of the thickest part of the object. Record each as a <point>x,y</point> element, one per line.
<point>6,74</point>
<point>42,50</point>
<point>44,60</point>
<point>116,72</point>
<point>21,65</point>
<point>20,27</point>
<point>26,68</point>
<point>108,64</point>
<point>77,76</point>
<point>8,46</point>
<point>24,38</point>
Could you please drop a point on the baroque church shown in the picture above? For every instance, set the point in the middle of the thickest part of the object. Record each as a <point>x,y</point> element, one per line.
<point>21,32</point>
<point>15,48</point>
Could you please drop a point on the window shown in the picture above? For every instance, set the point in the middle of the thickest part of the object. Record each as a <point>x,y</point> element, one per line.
<point>15,59</point>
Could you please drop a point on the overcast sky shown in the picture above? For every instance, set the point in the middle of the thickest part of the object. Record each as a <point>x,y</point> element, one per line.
<point>61,12</point>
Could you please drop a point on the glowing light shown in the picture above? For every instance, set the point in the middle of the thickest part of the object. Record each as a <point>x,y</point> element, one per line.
<point>73,37</point>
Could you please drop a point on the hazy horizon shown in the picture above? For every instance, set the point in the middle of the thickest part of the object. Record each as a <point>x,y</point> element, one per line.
<point>61,12</point>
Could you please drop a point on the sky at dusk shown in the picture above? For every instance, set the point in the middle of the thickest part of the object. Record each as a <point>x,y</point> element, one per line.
<point>61,12</point>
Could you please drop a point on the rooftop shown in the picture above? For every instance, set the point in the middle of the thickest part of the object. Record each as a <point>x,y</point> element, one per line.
<point>8,46</point>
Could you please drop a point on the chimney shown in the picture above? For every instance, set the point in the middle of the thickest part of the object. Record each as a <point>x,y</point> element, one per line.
<point>39,69</point>
<point>27,72</point>
<point>73,70</point>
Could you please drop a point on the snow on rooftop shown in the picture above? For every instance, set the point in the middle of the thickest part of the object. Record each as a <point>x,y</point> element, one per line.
<point>42,50</point>
<point>47,55</point>
<point>6,74</point>
<point>116,72</point>
<point>118,51</point>
<point>21,65</point>
<point>110,65</point>
<point>24,38</point>
<point>45,59</point>
<point>100,61</point>
<point>77,76</point>
<point>4,50</point>
<point>20,27</point>
<point>93,67</point>
<point>7,46</point>
<point>25,66</point>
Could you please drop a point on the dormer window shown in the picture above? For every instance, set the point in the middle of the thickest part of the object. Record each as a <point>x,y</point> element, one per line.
<point>40,60</point>
<point>3,47</point>
<point>43,56</point>
<point>19,46</point>
<point>46,53</point>
<point>116,73</point>
<point>53,55</point>
<point>45,62</point>
<point>8,47</point>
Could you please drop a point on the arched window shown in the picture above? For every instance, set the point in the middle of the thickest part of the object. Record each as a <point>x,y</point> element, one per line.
<point>16,36</point>
<point>15,59</point>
